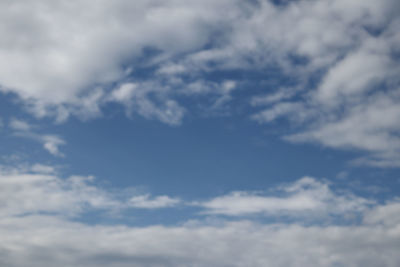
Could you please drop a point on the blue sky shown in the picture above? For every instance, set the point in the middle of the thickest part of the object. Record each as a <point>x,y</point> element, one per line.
<point>188,133</point>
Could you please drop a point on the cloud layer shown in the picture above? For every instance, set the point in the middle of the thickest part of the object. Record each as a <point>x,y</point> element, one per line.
<point>38,227</point>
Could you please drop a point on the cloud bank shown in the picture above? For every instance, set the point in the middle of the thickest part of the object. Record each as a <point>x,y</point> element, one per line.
<point>40,226</point>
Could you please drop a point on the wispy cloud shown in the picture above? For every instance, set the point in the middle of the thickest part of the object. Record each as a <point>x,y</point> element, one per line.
<point>51,143</point>
<point>19,125</point>
<point>146,202</point>
<point>306,197</point>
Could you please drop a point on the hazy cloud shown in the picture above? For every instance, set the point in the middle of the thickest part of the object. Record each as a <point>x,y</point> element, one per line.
<point>146,202</point>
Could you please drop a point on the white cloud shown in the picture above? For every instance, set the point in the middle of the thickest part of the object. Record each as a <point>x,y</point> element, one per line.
<point>296,110</point>
<point>49,241</point>
<point>306,197</point>
<point>80,45</point>
<point>137,97</point>
<point>39,227</point>
<point>281,94</point>
<point>19,125</point>
<point>357,74</point>
<point>369,125</point>
<point>38,189</point>
<point>123,93</point>
<point>51,143</point>
<point>44,169</point>
<point>388,214</point>
<point>354,105</point>
<point>33,193</point>
<point>152,99</point>
<point>337,54</point>
<point>146,202</point>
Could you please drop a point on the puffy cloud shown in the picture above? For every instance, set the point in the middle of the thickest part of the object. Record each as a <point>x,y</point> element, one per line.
<point>58,52</point>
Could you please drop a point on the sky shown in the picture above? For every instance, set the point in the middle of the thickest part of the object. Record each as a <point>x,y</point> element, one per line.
<point>199,133</point>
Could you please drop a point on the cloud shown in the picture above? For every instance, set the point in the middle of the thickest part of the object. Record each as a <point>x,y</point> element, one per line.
<point>37,189</point>
<point>335,60</point>
<point>44,169</point>
<point>281,94</point>
<point>19,125</point>
<point>48,241</point>
<point>352,100</point>
<point>146,202</point>
<point>81,47</point>
<point>296,110</point>
<point>137,97</point>
<point>40,226</point>
<point>35,193</point>
<point>306,197</point>
<point>369,125</point>
<point>386,214</point>
<point>51,143</point>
